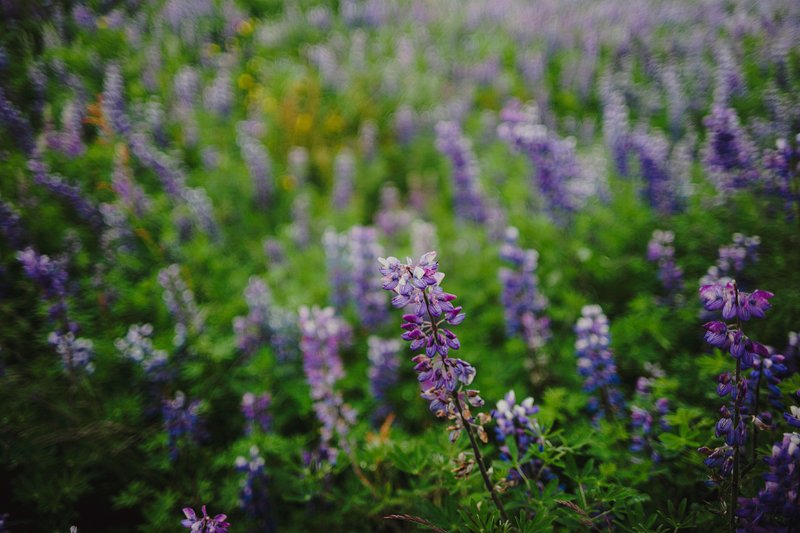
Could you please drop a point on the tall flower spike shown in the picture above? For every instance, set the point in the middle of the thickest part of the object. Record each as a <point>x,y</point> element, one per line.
<point>468,197</point>
<point>596,362</point>
<point>181,420</point>
<point>365,288</point>
<point>732,426</point>
<point>383,369</point>
<point>660,250</point>
<point>254,498</point>
<point>442,378</point>
<point>522,302</point>
<point>179,299</point>
<point>323,334</point>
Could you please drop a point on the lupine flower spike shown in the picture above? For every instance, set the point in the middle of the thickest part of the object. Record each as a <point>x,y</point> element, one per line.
<point>441,377</point>
<point>738,306</point>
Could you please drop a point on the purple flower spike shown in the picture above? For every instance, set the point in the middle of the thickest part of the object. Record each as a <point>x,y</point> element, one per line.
<point>441,377</point>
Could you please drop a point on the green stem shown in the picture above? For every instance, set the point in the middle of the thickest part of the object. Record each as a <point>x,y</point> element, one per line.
<point>479,459</point>
<point>736,420</point>
<point>755,411</point>
<point>467,427</point>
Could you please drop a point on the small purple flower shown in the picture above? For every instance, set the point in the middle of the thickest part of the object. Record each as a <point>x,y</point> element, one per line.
<point>253,330</point>
<point>138,347</point>
<point>516,421</point>
<point>181,420</point>
<point>644,413</point>
<point>75,353</point>
<point>717,334</point>
<point>793,416</point>
<point>205,523</point>
<point>660,250</point>
<point>391,217</point>
<point>344,167</point>
<point>255,409</point>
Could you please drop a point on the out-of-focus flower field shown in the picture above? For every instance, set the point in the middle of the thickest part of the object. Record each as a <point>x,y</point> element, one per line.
<point>393,265</point>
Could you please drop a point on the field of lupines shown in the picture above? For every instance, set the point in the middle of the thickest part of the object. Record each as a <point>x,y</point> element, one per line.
<point>224,232</point>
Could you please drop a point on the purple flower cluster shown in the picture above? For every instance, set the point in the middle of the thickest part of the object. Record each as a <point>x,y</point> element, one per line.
<point>253,497</point>
<point>441,377</point>
<point>616,128</point>
<point>383,368</point>
<point>59,187</point>
<point>323,335</point>
<point>468,198</point>
<point>17,125</point>
<point>767,372</point>
<point>258,164</point>
<point>181,421</point>
<point>516,421</point>
<point>644,414</point>
<point>252,331</point>
<point>137,346</point>
<point>130,194</point>
<point>729,155</point>
<point>117,236</point>
<point>391,217</point>
<point>284,334</point>
<point>205,523</point>
<point>732,259</point>
<point>69,140</point>
<point>596,362</point>
<point>114,100</point>
<point>10,226</point>
<point>335,246</point>
<point>739,306</point>
<point>660,250</point>
<point>180,302</point>
<point>298,163</point>
<point>783,165</point>
<point>522,302</point>
<point>76,353</point>
<point>83,16</point>
<point>344,167</point>
<point>166,169</point>
<point>365,288</point>
<point>255,408</point>
<point>218,96</point>
<point>777,506</point>
<point>51,277</point>
<point>652,150</point>
<point>301,221</point>
<point>553,158</point>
